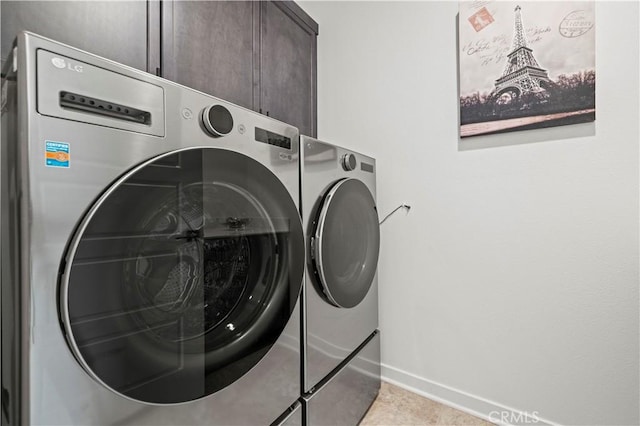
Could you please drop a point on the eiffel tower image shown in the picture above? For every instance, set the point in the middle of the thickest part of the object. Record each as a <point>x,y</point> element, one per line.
<point>522,73</point>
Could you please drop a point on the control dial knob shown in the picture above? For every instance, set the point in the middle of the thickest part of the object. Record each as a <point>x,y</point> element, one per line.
<point>349,162</point>
<point>217,120</point>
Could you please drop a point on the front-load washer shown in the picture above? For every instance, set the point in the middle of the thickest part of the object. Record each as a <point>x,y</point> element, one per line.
<point>152,249</point>
<point>340,310</point>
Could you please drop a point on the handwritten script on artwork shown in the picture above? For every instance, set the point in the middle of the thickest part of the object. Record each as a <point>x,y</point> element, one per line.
<point>494,50</point>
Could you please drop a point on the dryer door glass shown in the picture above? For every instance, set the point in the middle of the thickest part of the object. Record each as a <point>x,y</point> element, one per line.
<point>346,243</point>
<point>182,275</point>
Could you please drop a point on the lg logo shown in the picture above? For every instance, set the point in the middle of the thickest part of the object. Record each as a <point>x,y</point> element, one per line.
<point>61,63</point>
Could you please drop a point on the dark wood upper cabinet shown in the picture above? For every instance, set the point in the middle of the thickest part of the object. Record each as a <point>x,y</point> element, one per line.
<point>257,54</point>
<point>114,29</point>
<point>288,65</point>
<point>209,46</point>
<point>260,55</point>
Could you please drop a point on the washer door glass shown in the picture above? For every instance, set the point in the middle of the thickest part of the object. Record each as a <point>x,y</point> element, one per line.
<point>182,275</point>
<point>346,243</point>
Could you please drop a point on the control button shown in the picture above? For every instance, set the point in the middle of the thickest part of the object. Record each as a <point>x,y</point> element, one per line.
<point>187,114</point>
<point>349,162</point>
<point>217,120</point>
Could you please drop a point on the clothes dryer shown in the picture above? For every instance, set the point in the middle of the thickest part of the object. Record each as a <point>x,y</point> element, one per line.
<point>340,311</point>
<point>152,249</point>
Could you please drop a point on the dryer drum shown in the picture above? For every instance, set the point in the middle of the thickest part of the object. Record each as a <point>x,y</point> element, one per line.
<point>180,279</point>
<point>346,243</point>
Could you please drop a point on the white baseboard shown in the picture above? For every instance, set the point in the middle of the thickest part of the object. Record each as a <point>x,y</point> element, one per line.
<point>472,404</point>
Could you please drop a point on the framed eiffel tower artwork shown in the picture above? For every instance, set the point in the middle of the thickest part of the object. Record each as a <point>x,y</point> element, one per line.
<point>525,65</point>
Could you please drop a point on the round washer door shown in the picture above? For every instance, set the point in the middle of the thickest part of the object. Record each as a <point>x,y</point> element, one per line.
<point>346,243</point>
<point>182,275</point>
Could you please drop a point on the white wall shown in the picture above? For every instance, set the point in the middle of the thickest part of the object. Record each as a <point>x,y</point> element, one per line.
<point>513,281</point>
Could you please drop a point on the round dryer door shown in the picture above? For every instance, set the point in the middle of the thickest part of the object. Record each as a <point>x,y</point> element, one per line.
<point>346,243</point>
<point>182,275</point>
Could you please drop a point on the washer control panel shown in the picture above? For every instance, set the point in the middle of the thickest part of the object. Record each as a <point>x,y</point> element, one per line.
<point>217,120</point>
<point>271,138</point>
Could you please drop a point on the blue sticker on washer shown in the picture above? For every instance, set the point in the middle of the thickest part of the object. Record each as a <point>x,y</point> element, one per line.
<point>57,154</point>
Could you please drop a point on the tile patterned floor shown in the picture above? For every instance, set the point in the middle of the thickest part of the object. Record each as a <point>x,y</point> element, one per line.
<point>398,407</point>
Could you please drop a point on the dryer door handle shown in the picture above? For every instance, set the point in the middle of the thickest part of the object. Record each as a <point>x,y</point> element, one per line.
<point>312,250</point>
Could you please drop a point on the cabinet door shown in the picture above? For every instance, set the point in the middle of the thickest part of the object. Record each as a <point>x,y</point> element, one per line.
<point>288,66</point>
<point>209,46</point>
<point>114,29</point>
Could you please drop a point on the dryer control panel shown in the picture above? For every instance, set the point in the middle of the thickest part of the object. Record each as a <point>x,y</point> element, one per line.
<point>349,162</point>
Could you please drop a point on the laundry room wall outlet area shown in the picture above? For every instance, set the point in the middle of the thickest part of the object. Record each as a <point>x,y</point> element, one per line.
<point>512,285</point>
<point>257,212</point>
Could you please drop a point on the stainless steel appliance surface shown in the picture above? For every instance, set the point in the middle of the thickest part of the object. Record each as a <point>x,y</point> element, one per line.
<point>344,397</point>
<point>293,417</point>
<point>152,249</point>
<point>340,309</point>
